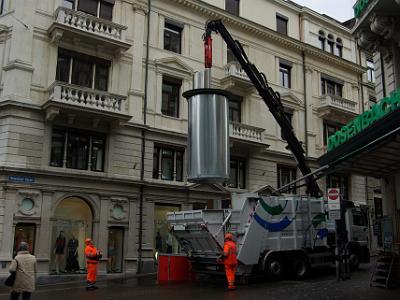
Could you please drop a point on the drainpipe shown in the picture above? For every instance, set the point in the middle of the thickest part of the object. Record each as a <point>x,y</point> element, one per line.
<point>303,55</point>
<point>141,196</point>
<point>383,75</point>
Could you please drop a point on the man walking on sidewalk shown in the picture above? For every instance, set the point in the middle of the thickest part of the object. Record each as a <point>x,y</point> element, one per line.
<point>92,259</point>
<point>230,260</point>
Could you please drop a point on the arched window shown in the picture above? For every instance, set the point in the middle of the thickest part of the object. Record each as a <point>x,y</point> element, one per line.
<point>339,47</point>
<point>321,38</point>
<point>331,43</point>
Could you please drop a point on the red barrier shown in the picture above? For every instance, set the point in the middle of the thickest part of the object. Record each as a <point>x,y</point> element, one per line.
<point>173,267</point>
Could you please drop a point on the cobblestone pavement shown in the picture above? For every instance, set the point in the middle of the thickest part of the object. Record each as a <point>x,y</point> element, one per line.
<point>322,285</point>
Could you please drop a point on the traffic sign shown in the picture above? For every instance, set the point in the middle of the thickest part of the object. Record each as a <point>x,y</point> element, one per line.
<point>333,199</point>
<point>334,214</point>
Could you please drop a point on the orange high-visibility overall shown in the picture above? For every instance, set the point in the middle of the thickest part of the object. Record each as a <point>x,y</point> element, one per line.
<point>91,254</point>
<point>230,262</point>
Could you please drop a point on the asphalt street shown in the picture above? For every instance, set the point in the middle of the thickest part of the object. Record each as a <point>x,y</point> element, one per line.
<point>322,285</point>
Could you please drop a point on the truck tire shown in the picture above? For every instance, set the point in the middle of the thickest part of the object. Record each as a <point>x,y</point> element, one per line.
<point>354,260</point>
<point>274,267</point>
<point>300,267</point>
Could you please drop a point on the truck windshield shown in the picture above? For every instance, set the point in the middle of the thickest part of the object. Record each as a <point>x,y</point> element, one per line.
<point>359,217</point>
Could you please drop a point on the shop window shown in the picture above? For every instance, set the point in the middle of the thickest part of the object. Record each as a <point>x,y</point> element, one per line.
<point>330,87</point>
<point>173,36</point>
<point>232,7</point>
<point>330,129</point>
<point>339,47</point>
<point>72,223</point>
<point>98,8</point>
<point>289,117</point>
<point>378,208</point>
<point>115,249</point>
<point>164,242</point>
<point>24,233</point>
<point>75,149</point>
<point>284,75</point>
<point>235,109</point>
<point>370,70</point>
<point>170,96</point>
<point>286,174</point>
<point>341,182</point>
<point>282,24</point>
<point>237,175</point>
<point>322,39</point>
<point>83,70</point>
<point>168,163</point>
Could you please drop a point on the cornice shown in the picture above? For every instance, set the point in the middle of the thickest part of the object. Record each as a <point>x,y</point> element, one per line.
<point>265,33</point>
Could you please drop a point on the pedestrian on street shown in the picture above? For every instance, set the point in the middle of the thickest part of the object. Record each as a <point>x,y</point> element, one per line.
<point>230,260</point>
<point>92,259</point>
<point>24,264</point>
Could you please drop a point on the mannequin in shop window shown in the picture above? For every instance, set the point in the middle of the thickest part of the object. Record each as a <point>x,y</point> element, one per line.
<point>72,259</point>
<point>59,249</point>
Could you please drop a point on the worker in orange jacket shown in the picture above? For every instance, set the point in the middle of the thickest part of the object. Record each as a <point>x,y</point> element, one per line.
<point>230,260</point>
<point>92,259</point>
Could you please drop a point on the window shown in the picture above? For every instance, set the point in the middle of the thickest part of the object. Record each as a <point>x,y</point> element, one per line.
<point>372,101</point>
<point>1,7</point>
<point>286,174</point>
<point>378,208</point>
<point>360,217</point>
<point>98,8</point>
<point>235,109</point>
<point>172,36</point>
<point>331,44</point>
<point>289,116</point>
<point>232,7</point>
<point>370,70</point>
<point>330,87</point>
<point>339,181</point>
<point>170,96</point>
<point>167,163</point>
<point>284,75</point>
<point>329,129</point>
<point>83,70</point>
<point>237,174</point>
<point>321,38</point>
<point>339,47</point>
<point>281,24</point>
<point>75,149</point>
<point>24,232</point>
<point>230,57</point>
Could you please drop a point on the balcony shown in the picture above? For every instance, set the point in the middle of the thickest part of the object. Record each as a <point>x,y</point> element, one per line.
<point>72,26</point>
<point>246,133</point>
<point>235,76</point>
<point>74,100</point>
<point>337,108</point>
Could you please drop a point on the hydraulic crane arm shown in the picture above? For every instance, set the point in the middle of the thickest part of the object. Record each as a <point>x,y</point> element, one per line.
<point>270,97</point>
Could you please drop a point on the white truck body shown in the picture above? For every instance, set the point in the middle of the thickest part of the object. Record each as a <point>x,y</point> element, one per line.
<point>261,225</point>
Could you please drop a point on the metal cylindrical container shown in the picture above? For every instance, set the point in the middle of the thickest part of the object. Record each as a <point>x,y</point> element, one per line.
<point>208,135</point>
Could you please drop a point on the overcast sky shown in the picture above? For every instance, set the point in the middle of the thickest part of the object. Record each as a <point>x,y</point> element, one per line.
<point>341,10</point>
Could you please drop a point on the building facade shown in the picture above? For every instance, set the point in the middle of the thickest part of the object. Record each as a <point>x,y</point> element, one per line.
<point>93,124</point>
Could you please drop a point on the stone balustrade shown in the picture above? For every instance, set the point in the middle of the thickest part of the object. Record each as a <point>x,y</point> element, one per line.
<point>234,69</point>
<point>88,23</point>
<point>339,102</point>
<point>246,132</point>
<point>87,98</point>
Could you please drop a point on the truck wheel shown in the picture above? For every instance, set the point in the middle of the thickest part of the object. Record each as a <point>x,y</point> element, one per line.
<point>300,267</point>
<point>274,267</point>
<point>354,261</point>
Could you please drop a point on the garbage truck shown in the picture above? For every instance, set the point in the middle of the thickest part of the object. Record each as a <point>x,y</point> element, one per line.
<point>275,235</point>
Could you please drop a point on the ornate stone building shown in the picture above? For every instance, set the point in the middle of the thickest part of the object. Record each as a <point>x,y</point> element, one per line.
<point>93,125</point>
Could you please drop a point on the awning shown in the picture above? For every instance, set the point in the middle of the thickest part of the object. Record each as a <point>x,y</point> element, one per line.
<point>373,152</point>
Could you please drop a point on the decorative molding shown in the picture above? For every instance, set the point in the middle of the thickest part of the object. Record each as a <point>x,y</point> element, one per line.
<point>173,63</point>
<point>19,65</point>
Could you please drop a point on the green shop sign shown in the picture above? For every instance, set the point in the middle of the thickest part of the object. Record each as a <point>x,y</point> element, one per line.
<point>360,6</point>
<point>379,110</point>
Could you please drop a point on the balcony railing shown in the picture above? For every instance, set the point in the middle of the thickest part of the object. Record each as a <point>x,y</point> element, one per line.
<point>234,69</point>
<point>339,103</point>
<point>89,23</point>
<point>246,132</point>
<point>82,97</point>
